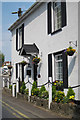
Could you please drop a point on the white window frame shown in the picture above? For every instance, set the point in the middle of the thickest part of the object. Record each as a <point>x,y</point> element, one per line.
<point>20,37</point>
<point>53,9</point>
<point>57,61</point>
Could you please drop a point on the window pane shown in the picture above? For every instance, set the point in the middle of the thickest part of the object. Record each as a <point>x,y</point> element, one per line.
<point>20,37</point>
<point>58,67</point>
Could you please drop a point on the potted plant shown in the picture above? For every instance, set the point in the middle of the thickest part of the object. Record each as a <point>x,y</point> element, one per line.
<point>36,60</point>
<point>23,62</point>
<point>70,51</point>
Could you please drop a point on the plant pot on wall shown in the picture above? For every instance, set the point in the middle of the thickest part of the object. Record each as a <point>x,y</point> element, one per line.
<point>36,60</point>
<point>70,51</point>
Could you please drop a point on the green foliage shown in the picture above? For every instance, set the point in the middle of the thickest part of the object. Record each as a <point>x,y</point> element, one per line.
<point>42,89</point>
<point>65,99</point>
<point>35,91</point>
<point>26,91</point>
<point>34,85</point>
<point>59,96</point>
<point>45,94</point>
<point>53,92</point>
<point>1,58</point>
<point>22,88</point>
<point>70,92</point>
<point>10,86</point>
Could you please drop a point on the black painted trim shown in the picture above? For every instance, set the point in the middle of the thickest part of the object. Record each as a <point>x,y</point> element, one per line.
<point>16,70</point>
<point>22,73</point>
<point>16,39</point>
<point>49,28</point>
<point>59,30</point>
<point>65,70</point>
<point>64,18</point>
<point>22,34</point>
<point>49,65</point>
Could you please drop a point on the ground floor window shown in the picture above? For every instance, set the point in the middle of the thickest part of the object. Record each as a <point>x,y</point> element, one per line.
<point>58,67</point>
<point>58,61</point>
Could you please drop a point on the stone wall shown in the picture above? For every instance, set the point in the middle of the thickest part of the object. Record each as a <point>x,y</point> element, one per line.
<point>40,102</point>
<point>66,109</point>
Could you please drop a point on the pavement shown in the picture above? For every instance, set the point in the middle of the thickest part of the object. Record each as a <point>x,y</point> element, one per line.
<point>16,108</point>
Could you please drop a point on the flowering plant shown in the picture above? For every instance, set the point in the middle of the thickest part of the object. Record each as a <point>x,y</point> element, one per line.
<point>70,51</point>
<point>71,97</point>
<point>59,96</point>
<point>58,84</point>
<point>23,62</point>
<point>36,60</point>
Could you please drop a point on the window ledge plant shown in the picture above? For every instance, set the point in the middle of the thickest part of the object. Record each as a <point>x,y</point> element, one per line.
<point>70,51</point>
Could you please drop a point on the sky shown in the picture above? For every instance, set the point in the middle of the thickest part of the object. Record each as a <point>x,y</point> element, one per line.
<point>7,20</point>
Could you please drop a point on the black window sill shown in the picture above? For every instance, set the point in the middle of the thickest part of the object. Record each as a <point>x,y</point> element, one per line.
<point>55,32</point>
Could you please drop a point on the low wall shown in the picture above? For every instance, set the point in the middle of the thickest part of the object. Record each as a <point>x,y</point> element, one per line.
<point>22,96</point>
<point>38,101</point>
<point>67,109</point>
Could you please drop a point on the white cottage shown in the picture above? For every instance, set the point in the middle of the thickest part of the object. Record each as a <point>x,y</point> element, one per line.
<point>45,30</point>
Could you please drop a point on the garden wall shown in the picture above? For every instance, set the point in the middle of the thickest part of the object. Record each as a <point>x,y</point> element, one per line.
<point>67,109</point>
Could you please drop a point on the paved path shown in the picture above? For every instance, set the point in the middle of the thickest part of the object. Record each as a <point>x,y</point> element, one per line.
<point>16,108</point>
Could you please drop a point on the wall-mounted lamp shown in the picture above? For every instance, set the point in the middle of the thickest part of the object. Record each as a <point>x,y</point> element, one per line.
<point>73,42</point>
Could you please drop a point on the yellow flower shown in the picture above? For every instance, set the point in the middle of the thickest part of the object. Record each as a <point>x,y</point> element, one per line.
<point>54,83</point>
<point>32,93</point>
<point>71,97</point>
<point>55,98</point>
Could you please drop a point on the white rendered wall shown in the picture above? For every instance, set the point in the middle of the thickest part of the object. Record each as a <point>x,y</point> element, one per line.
<point>35,31</point>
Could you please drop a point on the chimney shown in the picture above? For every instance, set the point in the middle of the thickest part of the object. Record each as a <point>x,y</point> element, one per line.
<point>19,12</point>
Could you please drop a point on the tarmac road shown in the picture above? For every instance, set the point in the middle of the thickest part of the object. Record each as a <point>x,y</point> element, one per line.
<point>17,108</point>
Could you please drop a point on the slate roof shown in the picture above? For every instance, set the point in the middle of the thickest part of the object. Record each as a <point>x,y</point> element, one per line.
<point>28,49</point>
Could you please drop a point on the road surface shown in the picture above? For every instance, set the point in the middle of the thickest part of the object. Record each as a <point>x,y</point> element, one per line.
<point>16,108</point>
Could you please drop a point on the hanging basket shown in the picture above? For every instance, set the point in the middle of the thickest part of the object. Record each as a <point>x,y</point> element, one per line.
<point>36,60</point>
<point>23,63</point>
<point>70,51</point>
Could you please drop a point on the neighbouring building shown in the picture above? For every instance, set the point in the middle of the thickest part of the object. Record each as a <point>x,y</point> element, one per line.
<point>45,30</point>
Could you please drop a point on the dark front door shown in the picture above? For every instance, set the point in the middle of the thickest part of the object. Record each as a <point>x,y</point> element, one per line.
<point>21,75</point>
<point>35,72</point>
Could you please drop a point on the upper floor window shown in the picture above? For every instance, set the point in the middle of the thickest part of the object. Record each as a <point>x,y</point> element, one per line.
<point>19,37</point>
<point>56,16</point>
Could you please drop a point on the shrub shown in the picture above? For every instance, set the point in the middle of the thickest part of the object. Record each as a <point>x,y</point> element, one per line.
<point>22,88</point>
<point>34,85</point>
<point>45,94</point>
<point>41,90</point>
<point>26,91</point>
<point>35,92</point>
<point>10,86</point>
<point>53,92</point>
<point>59,96</point>
<point>70,92</point>
<point>65,99</point>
